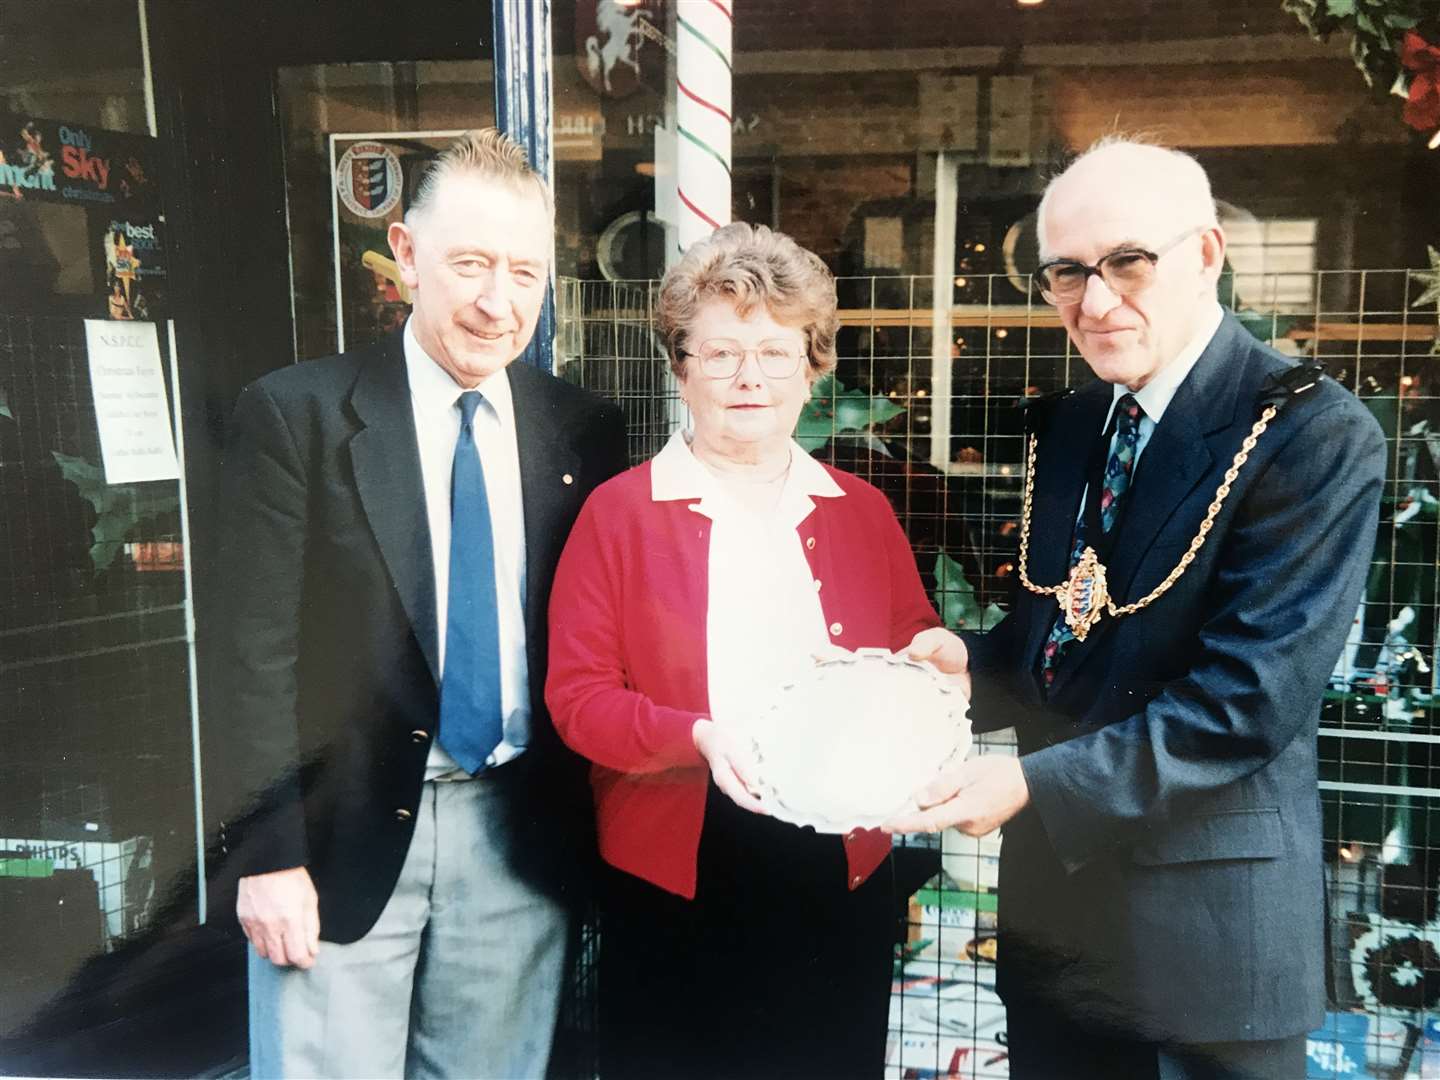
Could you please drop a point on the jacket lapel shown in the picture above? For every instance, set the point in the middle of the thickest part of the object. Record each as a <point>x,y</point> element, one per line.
<point>1059,479</point>
<point>1178,456</point>
<point>1174,462</point>
<point>386,461</point>
<point>546,460</point>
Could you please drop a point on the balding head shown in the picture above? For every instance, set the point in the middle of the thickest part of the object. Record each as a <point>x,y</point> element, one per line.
<point>1124,202</point>
<point>1148,172</point>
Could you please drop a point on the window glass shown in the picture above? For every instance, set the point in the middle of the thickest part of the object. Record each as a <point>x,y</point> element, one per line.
<point>355,138</point>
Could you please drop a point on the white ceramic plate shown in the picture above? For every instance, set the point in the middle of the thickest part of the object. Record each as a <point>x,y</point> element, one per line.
<point>845,745</point>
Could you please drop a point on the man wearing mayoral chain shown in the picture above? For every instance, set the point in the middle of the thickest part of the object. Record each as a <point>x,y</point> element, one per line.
<point>1196,532</point>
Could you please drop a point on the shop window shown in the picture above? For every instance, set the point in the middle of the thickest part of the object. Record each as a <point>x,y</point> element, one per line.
<point>356,138</point>
<point>1274,263</point>
<point>97,802</point>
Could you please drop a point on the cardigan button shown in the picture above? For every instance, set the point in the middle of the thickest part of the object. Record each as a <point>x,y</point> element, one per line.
<point>567,479</point>
<point>419,735</point>
<point>403,815</point>
<point>817,584</point>
<point>810,543</point>
<point>855,881</point>
<point>836,629</point>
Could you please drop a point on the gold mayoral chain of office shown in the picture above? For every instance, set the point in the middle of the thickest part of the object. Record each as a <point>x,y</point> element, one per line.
<point>1084,597</point>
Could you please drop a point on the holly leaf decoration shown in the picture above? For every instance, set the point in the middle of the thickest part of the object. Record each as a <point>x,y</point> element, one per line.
<point>833,409</point>
<point>118,507</point>
<point>955,598</point>
<point>1376,28</point>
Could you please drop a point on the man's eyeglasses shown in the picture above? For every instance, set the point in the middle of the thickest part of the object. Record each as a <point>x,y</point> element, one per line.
<point>721,358</point>
<point>1124,271</point>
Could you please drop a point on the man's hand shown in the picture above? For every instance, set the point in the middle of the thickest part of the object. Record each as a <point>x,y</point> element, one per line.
<point>280,914</point>
<point>946,651</point>
<point>732,762</point>
<point>977,797</point>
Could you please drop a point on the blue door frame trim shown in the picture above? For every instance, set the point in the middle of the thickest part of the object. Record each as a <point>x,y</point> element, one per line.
<point>522,110</point>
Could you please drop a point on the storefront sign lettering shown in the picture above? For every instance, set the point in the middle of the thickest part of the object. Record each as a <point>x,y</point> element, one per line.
<point>646,123</point>
<point>51,160</point>
<point>12,176</point>
<point>80,164</point>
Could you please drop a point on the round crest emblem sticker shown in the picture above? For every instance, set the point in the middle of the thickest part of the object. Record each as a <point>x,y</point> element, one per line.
<point>368,180</point>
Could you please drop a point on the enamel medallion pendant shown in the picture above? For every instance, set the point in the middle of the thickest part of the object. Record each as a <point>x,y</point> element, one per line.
<point>1085,596</point>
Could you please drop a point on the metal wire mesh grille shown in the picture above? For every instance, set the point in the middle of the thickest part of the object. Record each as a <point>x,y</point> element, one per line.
<point>938,431</point>
<point>96,802</point>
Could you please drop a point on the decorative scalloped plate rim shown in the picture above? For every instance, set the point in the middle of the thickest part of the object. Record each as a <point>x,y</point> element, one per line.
<point>951,708</point>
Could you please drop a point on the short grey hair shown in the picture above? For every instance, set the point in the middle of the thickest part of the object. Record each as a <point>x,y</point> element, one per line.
<point>752,266</point>
<point>486,153</point>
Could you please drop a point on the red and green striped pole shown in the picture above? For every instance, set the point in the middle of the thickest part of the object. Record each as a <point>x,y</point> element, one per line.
<point>703,115</point>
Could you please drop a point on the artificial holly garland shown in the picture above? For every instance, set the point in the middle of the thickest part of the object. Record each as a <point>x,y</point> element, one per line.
<point>1395,44</point>
<point>1422,60</point>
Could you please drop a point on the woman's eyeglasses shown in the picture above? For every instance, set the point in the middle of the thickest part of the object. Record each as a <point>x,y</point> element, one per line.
<point>722,358</point>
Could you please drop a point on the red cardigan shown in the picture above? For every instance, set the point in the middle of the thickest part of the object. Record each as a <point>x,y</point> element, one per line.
<point>627,667</point>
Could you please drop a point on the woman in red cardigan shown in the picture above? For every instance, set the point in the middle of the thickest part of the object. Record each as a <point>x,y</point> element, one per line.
<point>731,944</point>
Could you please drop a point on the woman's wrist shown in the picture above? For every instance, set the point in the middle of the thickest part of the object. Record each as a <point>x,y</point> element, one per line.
<point>698,729</point>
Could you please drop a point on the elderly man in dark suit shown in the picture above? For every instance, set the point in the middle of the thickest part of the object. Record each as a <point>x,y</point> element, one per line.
<point>1161,893</point>
<point>401,835</point>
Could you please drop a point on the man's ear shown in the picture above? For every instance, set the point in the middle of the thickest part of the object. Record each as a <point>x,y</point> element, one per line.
<point>1212,253</point>
<point>402,245</point>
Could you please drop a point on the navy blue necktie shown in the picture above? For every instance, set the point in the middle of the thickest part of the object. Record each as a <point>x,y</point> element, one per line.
<point>470,720</point>
<point>1118,469</point>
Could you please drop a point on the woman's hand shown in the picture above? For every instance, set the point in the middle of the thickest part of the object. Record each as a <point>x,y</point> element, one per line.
<point>946,651</point>
<point>732,763</point>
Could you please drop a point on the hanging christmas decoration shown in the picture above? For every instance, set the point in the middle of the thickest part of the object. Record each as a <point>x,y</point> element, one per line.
<point>1395,44</point>
<point>1422,104</point>
<point>1430,279</point>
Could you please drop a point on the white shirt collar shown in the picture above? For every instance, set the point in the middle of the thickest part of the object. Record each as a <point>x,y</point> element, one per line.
<point>1155,396</point>
<point>435,392</point>
<point>675,473</point>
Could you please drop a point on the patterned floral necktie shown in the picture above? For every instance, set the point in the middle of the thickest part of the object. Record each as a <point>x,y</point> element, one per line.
<point>1118,469</point>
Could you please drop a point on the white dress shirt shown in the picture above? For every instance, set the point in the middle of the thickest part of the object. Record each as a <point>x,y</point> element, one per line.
<point>434,397</point>
<point>1155,396</point>
<point>764,623</point>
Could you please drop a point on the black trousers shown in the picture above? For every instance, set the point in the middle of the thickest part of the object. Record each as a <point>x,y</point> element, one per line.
<point>775,969</point>
<point>1044,1045</point>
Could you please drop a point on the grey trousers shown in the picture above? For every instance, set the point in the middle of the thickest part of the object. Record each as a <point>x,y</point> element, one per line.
<point>460,977</point>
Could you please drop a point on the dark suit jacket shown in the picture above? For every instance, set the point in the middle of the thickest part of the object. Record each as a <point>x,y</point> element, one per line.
<point>1167,874</point>
<point>330,638</point>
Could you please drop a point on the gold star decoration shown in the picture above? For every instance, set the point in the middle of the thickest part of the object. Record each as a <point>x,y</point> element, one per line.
<point>1431,280</point>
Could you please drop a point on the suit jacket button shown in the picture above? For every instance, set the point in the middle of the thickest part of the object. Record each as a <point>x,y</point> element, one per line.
<point>403,815</point>
<point>836,629</point>
<point>419,735</point>
<point>855,881</point>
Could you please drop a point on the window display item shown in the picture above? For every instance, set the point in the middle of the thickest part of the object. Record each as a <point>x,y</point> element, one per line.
<point>846,745</point>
